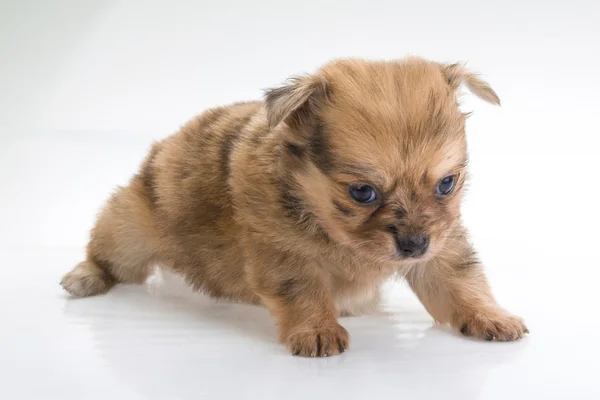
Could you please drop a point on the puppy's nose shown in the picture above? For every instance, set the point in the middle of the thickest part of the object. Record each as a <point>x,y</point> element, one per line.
<point>412,246</point>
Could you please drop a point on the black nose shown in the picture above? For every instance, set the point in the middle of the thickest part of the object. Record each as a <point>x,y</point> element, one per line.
<point>412,246</point>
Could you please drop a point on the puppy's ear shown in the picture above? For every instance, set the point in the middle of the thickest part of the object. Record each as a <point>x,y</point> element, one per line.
<point>295,101</point>
<point>457,74</point>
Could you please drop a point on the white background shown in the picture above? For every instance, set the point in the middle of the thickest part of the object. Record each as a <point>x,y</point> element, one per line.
<point>85,86</point>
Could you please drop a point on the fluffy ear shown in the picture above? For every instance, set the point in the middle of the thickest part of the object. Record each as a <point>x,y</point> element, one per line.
<point>457,74</point>
<point>295,100</point>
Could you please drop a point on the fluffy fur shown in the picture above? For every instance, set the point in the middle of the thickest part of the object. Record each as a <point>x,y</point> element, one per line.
<point>250,203</point>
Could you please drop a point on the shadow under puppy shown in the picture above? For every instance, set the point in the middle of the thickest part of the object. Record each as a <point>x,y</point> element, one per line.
<point>307,202</point>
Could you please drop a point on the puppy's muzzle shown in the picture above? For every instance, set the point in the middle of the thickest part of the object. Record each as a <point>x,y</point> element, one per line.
<point>412,246</point>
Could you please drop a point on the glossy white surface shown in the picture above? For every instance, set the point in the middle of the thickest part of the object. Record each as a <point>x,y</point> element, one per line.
<point>86,87</point>
<point>167,343</point>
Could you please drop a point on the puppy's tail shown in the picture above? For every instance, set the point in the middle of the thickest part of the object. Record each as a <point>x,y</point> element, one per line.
<point>457,74</point>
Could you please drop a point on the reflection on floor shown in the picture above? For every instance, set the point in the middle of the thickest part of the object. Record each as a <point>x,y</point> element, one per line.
<point>162,341</point>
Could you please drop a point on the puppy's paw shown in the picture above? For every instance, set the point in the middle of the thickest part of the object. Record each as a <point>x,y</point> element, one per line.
<point>321,341</point>
<point>492,325</point>
<point>87,279</point>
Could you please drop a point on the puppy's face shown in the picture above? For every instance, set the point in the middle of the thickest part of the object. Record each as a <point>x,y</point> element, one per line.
<point>378,154</point>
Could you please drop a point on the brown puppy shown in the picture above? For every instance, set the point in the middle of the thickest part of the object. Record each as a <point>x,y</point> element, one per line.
<point>307,202</point>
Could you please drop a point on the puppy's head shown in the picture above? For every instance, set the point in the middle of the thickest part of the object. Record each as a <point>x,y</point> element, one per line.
<point>375,152</point>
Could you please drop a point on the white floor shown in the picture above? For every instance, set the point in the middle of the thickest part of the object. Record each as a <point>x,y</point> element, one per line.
<point>131,344</point>
<point>85,88</point>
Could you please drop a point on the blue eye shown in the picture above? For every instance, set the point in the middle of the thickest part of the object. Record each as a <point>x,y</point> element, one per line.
<point>446,185</point>
<point>362,193</point>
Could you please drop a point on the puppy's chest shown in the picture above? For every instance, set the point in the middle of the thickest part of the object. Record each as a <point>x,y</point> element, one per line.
<point>351,272</point>
<point>355,287</point>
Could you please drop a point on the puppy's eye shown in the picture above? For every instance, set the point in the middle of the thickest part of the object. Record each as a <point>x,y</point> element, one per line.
<point>446,185</point>
<point>362,193</point>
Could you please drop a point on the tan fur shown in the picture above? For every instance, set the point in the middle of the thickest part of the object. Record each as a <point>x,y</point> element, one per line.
<point>250,203</point>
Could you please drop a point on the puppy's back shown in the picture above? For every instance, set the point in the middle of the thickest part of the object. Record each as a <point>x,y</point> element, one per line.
<point>186,181</point>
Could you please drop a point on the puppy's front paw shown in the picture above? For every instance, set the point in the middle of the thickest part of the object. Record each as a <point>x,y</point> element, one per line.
<point>492,325</point>
<point>321,341</point>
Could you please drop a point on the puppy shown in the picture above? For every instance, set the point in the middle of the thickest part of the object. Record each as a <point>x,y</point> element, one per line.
<point>308,201</point>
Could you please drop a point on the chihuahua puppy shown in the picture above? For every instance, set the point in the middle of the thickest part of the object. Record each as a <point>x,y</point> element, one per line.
<point>308,201</point>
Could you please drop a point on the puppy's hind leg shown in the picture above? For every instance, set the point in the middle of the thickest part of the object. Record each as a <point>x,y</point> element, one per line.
<point>87,279</point>
<point>120,249</point>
